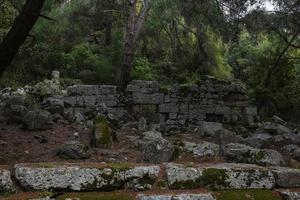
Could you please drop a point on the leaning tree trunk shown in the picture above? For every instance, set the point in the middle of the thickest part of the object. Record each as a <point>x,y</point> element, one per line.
<point>129,47</point>
<point>134,26</point>
<point>19,32</point>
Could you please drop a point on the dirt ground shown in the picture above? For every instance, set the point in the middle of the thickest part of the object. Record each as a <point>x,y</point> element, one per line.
<point>20,146</point>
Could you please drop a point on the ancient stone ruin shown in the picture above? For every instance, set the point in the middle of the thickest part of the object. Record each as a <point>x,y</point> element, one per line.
<point>175,108</point>
<point>186,142</point>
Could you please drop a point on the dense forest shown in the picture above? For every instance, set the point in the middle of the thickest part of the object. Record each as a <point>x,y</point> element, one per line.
<point>172,41</point>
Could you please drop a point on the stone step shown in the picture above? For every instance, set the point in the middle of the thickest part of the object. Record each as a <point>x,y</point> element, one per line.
<point>85,177</point>
<point>181,196</point>
<point>103,177</point>
<point>220,176</point>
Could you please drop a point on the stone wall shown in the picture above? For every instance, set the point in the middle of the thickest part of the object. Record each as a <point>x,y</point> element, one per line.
<point>177,107</point>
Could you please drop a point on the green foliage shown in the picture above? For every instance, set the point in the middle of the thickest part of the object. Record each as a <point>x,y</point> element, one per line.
<point>253,59</point>
<point>143,69</point>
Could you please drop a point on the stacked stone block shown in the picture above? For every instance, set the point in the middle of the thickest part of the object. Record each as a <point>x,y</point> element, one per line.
<point>178,107</point>
<point>187,106</point>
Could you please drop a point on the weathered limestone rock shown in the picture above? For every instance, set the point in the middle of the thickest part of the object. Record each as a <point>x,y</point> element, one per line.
<point>289,194</point>
<point>184,196</point>
<point>141,178</point>
<point>76,178</point>
<point>54,105</point>
<point>203,149</point>
<point>142,125</point>
<point>37,120</point>
<point>55,74</point>
<point>147,99</point>
<point>73,150</point>
<point>102,133</point>
<point>210,128</point>
<point>258,140</point>
<point>287,177</point>
<point>47,88</point>
<point>6,184</point>
<point>183,177</point>
<point>155,148</point>
<point>90,90</point>
<point>245,154</point>
<point>222,176</point>
<point>275,128</point>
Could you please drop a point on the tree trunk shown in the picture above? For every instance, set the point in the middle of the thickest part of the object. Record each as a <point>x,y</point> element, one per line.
<point>134,25</point>
<point>19,32</point>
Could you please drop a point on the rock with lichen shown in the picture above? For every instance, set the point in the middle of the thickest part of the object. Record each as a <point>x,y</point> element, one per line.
<point>6,184</point>
<point>83,178</point>
<point>220,176</point>
<point>203,149</point>
<point>240,153</point>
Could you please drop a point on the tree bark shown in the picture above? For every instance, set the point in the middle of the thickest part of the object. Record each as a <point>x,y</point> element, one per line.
<point>134,25</point>
<point>19,32</point>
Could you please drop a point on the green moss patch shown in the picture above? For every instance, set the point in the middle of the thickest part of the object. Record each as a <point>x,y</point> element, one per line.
<point>247,195</point>
<point>214,178</point>
<point>98,196</point>
<point>103,133</point>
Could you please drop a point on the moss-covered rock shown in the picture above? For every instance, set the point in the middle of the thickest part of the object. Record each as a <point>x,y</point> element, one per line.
<point>221,176</point>
<point>102,133</point>
<point>214,178</point>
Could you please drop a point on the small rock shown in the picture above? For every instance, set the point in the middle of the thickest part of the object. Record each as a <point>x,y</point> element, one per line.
<point>42,139</point>
<point>210,129</point>
<point>202,149</point>
<point>155,148</point>
<point>38,120</point>
<point>278,120</point>
<point>73,150</point>
<point>6,184</point>
<point>245,154</point>
<point>142,126</point>
<point>275,129</point>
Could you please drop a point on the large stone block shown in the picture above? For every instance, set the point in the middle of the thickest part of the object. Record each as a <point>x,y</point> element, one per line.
<point>90,90</point>
<point>73,177</point>
<point>147,99</point>
<point>168,108</point>
<point>183,196</point>
<point>108,100</point>
<point>146,87</point>
<point>82,90</point>
<point>220,176</point>
<point>287,177</point>
<point>235,152</point>
<point>6,184</point>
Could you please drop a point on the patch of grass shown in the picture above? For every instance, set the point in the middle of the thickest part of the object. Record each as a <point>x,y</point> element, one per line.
<point>97,196</point>
<point>246,195</point>
<point>120,166</point>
